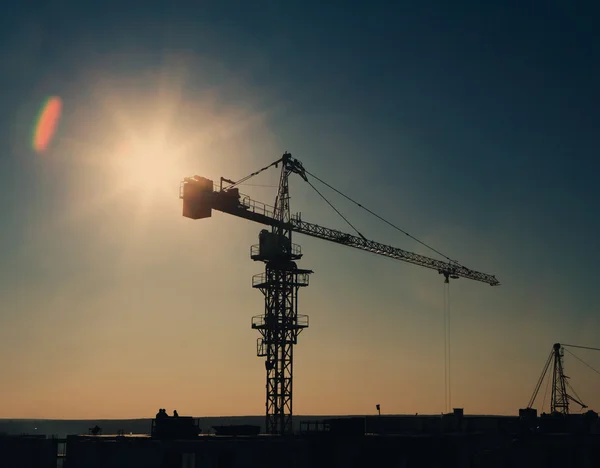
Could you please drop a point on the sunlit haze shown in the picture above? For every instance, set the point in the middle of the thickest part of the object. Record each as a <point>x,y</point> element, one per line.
<point>113,305</point>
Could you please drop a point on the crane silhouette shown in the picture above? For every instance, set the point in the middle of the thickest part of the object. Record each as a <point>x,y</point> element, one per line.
<point>281,324</point>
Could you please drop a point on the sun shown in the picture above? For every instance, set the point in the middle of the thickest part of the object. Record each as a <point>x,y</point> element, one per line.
<point>148,167</point>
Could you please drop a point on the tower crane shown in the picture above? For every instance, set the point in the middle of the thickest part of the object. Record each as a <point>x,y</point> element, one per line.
<point>280,324</point>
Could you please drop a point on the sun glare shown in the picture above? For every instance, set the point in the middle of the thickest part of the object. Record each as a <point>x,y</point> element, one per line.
<point>148,167</point>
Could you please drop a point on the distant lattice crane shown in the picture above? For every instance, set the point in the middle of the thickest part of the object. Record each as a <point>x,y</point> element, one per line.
<point>281,324</point>
<point>560,398</point>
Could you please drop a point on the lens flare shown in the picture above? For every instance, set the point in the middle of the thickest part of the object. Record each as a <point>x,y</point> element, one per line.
<point>47,123</point>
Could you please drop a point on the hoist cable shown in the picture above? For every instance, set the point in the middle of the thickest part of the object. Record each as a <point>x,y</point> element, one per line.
<point>449,346</point>
<point>445,352</point>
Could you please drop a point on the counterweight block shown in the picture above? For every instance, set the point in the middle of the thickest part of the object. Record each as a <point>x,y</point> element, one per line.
<point>197,194</point>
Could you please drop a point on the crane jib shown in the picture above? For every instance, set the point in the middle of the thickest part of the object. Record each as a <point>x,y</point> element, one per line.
<point>339,237</point>
<point>200,198</point>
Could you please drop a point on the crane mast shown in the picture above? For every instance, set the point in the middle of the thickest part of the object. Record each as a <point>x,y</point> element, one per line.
<point>280,324</point>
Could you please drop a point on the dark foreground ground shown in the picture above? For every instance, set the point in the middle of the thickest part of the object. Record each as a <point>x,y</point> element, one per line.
<point>318,451</point>
<point>454,440</point>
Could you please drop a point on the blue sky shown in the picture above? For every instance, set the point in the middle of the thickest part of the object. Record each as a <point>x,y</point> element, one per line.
<point>471,126</point>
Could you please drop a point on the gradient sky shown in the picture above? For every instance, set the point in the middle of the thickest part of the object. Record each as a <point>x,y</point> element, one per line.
<point>473,126</point>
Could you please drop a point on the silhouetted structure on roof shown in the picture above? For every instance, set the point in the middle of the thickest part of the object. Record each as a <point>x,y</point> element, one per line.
<point>176,427</point>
